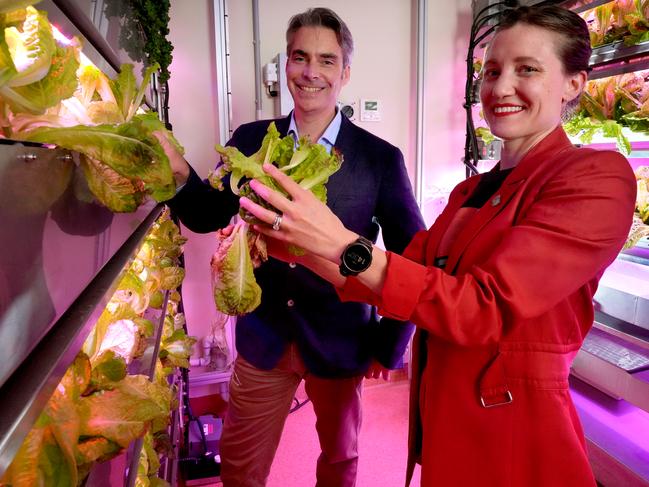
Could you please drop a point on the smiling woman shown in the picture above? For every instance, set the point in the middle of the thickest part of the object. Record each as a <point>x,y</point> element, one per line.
<point>501,285</point>
<point>525,88</point>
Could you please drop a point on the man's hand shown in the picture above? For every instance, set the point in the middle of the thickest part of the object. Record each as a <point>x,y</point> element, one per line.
<point>179,165</point>
<point>376,371</point>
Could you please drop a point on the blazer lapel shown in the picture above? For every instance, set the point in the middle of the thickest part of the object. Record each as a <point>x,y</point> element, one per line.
<point>345,143</point>
<point>282,125</point>
<point>484,215</point>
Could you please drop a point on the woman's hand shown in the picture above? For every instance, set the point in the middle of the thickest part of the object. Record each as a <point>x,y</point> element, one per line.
<point>304,221</point>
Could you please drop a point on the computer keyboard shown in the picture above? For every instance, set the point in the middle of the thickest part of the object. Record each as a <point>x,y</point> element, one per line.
<point>614,351</point>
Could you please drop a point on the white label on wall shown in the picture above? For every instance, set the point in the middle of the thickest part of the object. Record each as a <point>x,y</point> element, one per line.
<point>370,111</point>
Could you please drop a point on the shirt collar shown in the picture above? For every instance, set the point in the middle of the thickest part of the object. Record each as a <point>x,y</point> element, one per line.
<point>328,138</point>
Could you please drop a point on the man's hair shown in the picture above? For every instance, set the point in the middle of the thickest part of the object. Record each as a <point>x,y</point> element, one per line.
<point>322,17</point>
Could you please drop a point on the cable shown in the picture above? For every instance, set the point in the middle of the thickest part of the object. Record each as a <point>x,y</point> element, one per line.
<point>185,372</point>
<point>471,148</point>
<point>298,404</point>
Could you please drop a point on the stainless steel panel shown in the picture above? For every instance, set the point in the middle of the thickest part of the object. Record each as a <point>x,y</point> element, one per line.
<point>54,241</point>
<point>624,292</point>
<point>612,380</point>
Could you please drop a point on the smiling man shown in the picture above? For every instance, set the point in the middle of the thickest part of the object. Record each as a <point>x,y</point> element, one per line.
<point>301,330</point>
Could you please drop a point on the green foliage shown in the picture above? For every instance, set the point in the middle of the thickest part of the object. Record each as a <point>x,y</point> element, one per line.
<point>309,165</point>
<point>145,29</point>
<point>36,71</point>
<point>136,162</point>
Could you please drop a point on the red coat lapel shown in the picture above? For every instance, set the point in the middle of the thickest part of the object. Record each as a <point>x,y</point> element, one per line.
<point>533,161</point>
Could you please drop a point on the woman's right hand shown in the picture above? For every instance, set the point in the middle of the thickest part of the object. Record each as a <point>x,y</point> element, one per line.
<point>306,222</point>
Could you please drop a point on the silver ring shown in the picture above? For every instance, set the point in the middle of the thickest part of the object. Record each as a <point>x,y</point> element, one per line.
<point>278,222</point>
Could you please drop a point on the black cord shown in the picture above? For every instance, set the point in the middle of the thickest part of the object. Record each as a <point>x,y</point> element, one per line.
<point>471,148</point>
<point>298,404</point>
<point>185,372</point>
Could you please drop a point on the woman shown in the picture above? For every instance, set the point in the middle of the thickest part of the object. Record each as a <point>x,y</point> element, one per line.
<point>501,285</point>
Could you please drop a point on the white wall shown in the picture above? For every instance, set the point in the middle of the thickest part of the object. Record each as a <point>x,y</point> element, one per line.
<point>383,66</point>
<point>194,115</point>
<point>448,34</point>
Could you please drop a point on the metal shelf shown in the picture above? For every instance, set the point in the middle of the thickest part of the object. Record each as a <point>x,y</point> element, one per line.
<point>30,386</point>
<point>616,58</point>
<point>581,5</point>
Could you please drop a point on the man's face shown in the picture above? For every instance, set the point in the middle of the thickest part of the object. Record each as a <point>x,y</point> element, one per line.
<point>315,72</point>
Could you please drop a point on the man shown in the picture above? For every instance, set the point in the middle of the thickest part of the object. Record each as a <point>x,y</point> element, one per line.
<point>301,330</point>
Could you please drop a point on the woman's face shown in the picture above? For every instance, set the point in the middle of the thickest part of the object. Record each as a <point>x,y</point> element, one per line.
<point>524,86</point>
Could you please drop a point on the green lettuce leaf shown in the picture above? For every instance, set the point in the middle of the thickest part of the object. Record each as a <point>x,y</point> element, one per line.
<point>11,5</point>
<point>111,189</point>
<point>40,71</point>
<point>130,149</point>
<point>48,453</point>
<point>124,413</point>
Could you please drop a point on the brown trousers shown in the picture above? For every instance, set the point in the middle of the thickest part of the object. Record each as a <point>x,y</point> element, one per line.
<point>259,404</point>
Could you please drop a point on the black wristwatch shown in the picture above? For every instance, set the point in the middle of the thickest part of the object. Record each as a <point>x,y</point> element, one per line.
<point>356,258</point>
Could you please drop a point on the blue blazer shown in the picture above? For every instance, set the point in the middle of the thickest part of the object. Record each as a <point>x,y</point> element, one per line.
<point>335,339</point>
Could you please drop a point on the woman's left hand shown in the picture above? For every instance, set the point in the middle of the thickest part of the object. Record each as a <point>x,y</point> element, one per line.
<point>304,220</point>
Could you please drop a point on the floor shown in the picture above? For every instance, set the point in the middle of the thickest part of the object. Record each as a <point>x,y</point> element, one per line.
<point>382,461</point>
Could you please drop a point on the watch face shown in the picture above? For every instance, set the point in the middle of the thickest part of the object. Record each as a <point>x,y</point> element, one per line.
<point>357,258</point>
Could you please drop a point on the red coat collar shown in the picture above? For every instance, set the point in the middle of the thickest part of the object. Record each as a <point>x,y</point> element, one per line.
<point>546,150</point>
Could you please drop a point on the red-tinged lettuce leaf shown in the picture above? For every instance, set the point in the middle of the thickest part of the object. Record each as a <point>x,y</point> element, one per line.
<point>130,149</point>
<point>124,413</point>
<point>234,286</point>
<point>48,454</point>
<point>59,84</point>
<point>112,190</point>
<point>64,425</point>
<point>95,449</point>
<point>172,277</point>
<point>76,379</point>
<point>40,461</point>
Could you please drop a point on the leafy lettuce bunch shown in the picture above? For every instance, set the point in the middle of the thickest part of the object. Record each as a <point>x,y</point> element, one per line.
<point>37,69</point>
<point>234,286</point>
<point>122,160</point>
<point>240,250</point>
<point>309,165</point>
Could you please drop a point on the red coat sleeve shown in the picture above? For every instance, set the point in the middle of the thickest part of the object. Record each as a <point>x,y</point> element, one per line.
<point>354,290</point>
<point>561,238</point>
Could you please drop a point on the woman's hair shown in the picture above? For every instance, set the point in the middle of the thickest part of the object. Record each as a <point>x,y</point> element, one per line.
<point>322,17</point>
<point>573,38</point>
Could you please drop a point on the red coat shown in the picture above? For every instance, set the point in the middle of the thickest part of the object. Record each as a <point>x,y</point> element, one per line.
<point>507,316</point>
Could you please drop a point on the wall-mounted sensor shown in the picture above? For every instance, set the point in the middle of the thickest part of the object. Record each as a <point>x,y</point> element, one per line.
<point>370,110</point>
<point>270,78</point>
<point>348,109</point>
